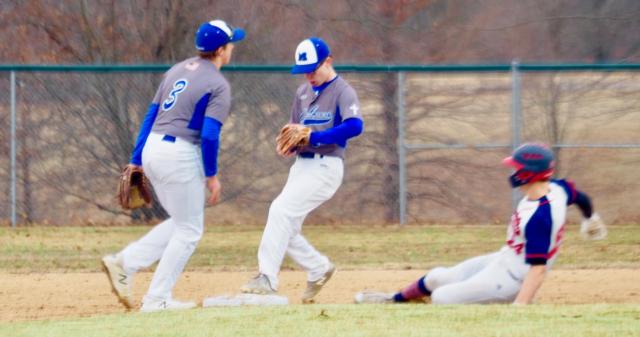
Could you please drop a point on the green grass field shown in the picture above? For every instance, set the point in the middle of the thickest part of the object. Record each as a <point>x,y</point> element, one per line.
<point>352,320</point>
<point>47,249</point>
<point>51,249</point>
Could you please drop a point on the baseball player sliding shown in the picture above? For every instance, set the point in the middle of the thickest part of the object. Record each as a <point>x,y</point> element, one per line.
<point>515,272</point>
<point>325,114</point>
<point>178,149</point>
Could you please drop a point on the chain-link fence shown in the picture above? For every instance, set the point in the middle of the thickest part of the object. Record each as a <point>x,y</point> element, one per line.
<point>431,152</point>
<point>5,134</point>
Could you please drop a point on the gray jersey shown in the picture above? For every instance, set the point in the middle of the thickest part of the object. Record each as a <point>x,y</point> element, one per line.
<point>190,91</point>
<point>335,103</point>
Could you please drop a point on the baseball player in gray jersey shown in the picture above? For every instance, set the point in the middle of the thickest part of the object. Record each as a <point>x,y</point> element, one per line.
<point>178,148</point>
<point>329,106</point>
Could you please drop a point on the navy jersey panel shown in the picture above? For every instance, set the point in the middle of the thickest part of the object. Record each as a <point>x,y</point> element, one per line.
<point>538,233</point>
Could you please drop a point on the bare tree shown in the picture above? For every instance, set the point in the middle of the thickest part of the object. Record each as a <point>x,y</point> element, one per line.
<point>91,120</point>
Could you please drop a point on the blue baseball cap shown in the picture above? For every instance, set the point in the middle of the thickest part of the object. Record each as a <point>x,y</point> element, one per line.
<point>310,53</point>
<point>215,34</point>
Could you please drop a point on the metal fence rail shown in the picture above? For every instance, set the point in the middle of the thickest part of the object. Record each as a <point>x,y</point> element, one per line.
<point>406,104</point>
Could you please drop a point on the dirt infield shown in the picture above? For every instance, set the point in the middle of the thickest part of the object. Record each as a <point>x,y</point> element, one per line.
<point>65,295</point>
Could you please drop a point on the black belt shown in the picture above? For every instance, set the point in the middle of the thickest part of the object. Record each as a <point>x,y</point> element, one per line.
<point>309,155</point>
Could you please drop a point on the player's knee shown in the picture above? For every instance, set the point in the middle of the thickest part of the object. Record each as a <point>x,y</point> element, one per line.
<point>189,233</point>
<point>441,296</point>
<point>436,278</point>
<point>276,206</point>
<point>278,209</point>
<point>437,297</point>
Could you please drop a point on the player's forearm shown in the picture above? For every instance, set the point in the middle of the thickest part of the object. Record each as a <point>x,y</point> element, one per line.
<point>584,203</point>
<point>210,138</point>
<point>531,284</point>
<point>348,129</point>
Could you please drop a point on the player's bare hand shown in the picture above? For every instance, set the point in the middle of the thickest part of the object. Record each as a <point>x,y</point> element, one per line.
<point>214,187</point>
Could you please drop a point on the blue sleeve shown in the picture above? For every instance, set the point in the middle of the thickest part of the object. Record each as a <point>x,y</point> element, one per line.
<point>537,234</point>
<point>584,203</point>
<point>145,130</point>
<point>576,197</point>
<point>210,138</point>
<point>349,128</point>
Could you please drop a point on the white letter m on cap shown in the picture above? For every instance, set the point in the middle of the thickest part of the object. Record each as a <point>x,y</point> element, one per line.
<point>306,53</point>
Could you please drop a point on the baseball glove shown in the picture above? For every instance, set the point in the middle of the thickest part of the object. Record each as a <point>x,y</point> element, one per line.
<point>593,228</point>
<point>133,189</point>
<point>292,138</point>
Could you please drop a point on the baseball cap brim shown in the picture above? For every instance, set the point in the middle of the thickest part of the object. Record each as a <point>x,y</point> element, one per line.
<point>509,161</point>
<point>304,69</point>
<point>238,35</point>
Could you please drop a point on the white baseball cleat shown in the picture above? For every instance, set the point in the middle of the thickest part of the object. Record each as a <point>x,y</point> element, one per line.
<point>120,281</point>
<point>313,288</point>
<point>258,285</point>
<point>374,297</point>
<point>162,305</point>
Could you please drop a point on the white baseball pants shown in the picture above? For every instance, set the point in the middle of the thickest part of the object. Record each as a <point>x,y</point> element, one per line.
<point>482,279</point>
<point>311,182</point>
<point>176,173</point>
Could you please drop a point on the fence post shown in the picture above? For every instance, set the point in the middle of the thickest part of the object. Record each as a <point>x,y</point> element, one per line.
<point>402,179</point>
<point>13,149</point>
<point>516,118</point>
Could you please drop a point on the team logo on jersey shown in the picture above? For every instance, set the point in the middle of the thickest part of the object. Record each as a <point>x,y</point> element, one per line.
<point>514,239</point>
<point>192,66</point>
<point>311,116</point>
<point>178,87</point>
<point>354,108</point>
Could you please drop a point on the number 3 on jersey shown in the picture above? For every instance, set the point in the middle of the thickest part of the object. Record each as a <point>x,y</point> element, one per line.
<point>178,87</point>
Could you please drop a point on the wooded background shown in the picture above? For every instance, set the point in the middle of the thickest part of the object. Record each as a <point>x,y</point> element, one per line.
<point>76,130</point>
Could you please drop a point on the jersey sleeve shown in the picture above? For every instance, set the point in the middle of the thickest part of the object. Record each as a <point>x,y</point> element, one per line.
<point>569,188</point>
<point>537,235</point>
<point>219,103</point>
<point>349,105</point>
<point>294,117</point>
<point>158,96</point>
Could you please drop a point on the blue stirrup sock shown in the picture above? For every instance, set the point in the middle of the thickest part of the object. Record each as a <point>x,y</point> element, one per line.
<point>416,290</point>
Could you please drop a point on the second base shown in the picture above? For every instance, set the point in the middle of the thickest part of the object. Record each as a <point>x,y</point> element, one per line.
<point>244,299</point>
